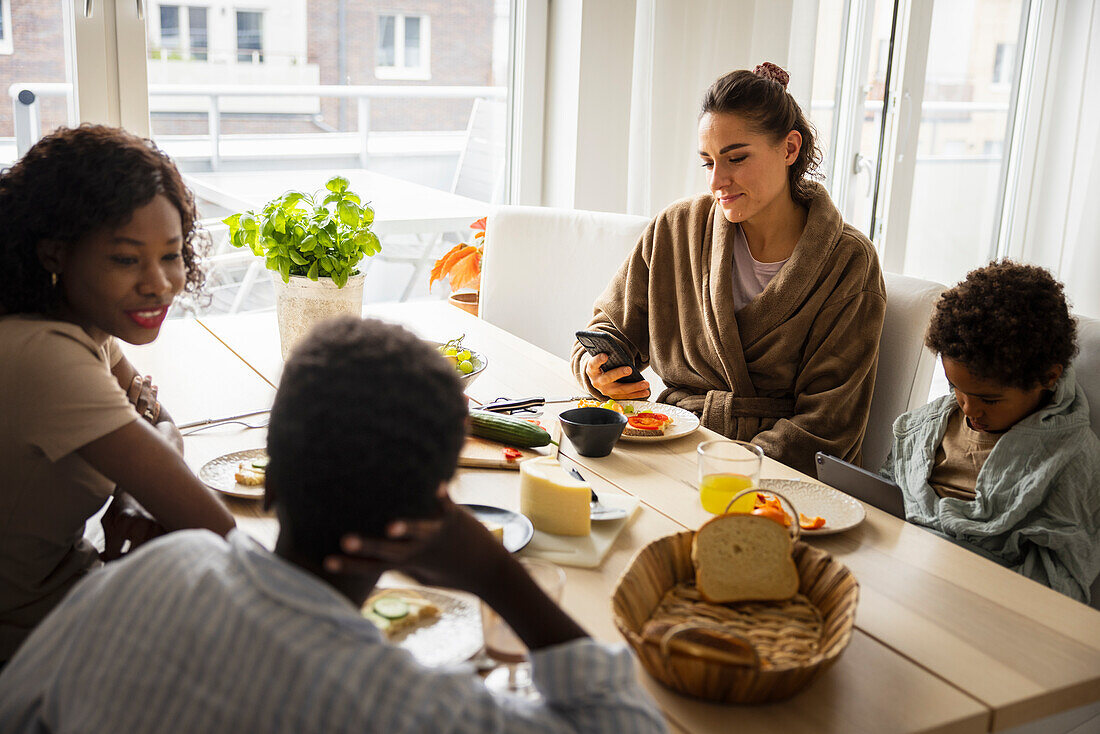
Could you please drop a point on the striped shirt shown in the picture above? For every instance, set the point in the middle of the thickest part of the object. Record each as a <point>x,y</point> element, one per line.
<point>193,633</point>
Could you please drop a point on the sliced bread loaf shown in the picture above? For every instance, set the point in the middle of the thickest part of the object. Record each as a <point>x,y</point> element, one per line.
<point>743,558</point>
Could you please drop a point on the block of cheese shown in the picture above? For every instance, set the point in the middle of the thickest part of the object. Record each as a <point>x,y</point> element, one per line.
<point>555,501</point>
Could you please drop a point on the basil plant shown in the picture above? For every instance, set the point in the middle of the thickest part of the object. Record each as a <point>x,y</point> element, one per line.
<point>298,235</point>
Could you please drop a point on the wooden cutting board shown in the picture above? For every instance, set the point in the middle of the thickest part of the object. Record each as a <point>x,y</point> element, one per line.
<point>481,453</point>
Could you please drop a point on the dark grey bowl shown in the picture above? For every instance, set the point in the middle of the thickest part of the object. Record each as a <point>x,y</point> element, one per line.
<point>593,431</point>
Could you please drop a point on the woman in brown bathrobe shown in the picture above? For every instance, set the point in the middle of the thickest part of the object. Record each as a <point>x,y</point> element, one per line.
<point>779,348</point>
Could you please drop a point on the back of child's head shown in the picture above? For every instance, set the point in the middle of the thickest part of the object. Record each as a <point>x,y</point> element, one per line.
<point>1007,322</point>
<point>367,423</point>
<point>73,183</point>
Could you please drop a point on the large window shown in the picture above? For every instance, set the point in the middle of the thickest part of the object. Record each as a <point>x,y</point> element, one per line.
<point>403,47</point>
<point>430,153</point>
<point>250,36</point>
<point>922,119</point>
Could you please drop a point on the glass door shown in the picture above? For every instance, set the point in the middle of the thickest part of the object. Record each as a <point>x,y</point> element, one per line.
<point>924,128</point>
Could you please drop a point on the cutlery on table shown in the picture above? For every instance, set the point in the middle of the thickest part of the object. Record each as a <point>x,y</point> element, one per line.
<point>600,511</point>
<point>511,406</point>
<point>211,422</point>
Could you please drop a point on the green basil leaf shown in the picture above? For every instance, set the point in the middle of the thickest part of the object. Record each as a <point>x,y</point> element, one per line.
<point>368,214</point>
<point>327,264</point>
<point>349,196</point>
<point>348,213</point>
<point>337,184</point>
<point>312,273</point>
<point>296,258</point>
<point>284,269</point>
<point>340,278</point>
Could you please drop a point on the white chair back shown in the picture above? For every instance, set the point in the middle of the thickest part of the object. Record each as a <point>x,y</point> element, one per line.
<point>905,365</point>
<point>480,170</point>
<point>543,269</point>
<point>1087,366</point>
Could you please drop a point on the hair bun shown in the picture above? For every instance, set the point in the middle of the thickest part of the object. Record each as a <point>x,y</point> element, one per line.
<point>768,70</point>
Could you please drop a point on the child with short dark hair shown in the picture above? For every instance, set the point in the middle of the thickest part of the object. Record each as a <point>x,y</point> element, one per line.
<point>1008,463</point>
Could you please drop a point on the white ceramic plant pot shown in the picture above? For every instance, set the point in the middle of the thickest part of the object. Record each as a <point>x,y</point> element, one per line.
<point>302,303</point>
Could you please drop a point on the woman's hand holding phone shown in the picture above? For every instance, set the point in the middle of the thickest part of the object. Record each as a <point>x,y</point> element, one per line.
<point>608,382</point>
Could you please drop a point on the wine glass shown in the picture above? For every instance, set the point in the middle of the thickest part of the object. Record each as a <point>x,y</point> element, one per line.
<point>726,468</point>
<point>501,643</point>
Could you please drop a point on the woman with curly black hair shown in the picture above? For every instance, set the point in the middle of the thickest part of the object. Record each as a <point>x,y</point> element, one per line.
<point>1008,463</point>
<point>97,238</point>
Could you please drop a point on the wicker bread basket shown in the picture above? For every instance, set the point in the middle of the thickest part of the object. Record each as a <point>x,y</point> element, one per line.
<point>665,562</point>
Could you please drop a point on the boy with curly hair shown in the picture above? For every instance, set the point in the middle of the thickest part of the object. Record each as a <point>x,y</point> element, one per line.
<point>1006,465</point>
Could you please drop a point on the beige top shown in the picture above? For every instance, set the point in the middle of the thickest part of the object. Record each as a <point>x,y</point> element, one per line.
<point>57,394</point>
<point>959,458</point>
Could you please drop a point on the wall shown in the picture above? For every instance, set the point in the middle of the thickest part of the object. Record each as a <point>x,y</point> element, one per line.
<point>590,50</point>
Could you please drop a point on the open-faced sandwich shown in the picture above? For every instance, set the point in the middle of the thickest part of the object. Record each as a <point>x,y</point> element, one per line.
<point>647,424</point>
<point>395,610</point>
<point>252,473</point>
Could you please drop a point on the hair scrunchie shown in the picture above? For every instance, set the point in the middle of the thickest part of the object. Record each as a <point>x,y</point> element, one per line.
<point>768,70</point>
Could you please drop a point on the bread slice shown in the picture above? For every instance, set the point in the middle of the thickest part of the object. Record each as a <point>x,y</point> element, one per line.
<point>743,558</point>
<point>632,431</point>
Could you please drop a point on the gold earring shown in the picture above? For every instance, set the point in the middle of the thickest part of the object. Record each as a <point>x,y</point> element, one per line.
<point>53,279</point>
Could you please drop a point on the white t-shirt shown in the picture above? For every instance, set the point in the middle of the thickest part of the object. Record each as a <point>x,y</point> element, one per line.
<point>750,277</point>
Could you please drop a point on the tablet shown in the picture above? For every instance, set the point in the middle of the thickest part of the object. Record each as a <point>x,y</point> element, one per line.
<point>861,484</point>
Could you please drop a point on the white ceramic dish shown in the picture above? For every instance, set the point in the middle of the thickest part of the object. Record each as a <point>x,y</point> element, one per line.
<point>518,529</point>
<point>218,474</point>
<point>840,511</point>
<point>452,638</point>
<point>684,422</point>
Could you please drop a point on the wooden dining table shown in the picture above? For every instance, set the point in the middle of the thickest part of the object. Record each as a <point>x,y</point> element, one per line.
<point>944,640</point>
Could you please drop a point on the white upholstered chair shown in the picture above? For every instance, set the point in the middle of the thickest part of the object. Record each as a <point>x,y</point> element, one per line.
<point>543,269</point>
<point>905,365</point>
<point>1087,366</point>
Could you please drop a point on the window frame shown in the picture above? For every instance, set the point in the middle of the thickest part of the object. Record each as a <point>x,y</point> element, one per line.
<point>421,72</point>
<point>257,55</point>
<point>7,45</point>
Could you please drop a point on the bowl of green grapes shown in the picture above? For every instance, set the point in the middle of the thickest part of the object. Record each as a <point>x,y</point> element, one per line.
<point>468,363</point>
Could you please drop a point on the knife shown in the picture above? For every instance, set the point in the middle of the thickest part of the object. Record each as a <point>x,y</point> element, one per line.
<point>210,421</point>
<point>509,406</point>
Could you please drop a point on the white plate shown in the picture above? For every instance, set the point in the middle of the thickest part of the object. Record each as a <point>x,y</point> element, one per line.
<point>455,635</point>
<point>684,421</point>
<point>218,474</point>
<point>840,511</point>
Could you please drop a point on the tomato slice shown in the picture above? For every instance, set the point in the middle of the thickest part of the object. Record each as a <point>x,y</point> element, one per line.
<point>645,422</point>
<point>512,454</point>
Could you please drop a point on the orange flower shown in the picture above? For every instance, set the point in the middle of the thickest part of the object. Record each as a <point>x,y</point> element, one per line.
<point>462,263</point>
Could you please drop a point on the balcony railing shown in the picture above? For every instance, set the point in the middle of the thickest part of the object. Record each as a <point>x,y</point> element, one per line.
<point>24,97</point>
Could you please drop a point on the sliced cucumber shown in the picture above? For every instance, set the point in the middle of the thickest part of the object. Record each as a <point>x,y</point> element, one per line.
<point>391,608</point>
<point>260,463</point>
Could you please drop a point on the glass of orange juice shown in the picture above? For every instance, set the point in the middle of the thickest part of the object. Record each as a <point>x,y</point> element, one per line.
<point>726,468</point>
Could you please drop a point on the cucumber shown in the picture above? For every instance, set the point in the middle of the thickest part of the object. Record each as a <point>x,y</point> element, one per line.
<point>391,608</point>
<point>506,429</point>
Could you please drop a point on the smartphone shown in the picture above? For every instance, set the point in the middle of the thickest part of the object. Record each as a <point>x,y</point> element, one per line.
<point>597,342</point>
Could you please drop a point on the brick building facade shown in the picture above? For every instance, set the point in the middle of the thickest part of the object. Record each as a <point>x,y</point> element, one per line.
<point>460,54</point>
<point>38,55</point>
<point>456,39</point>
